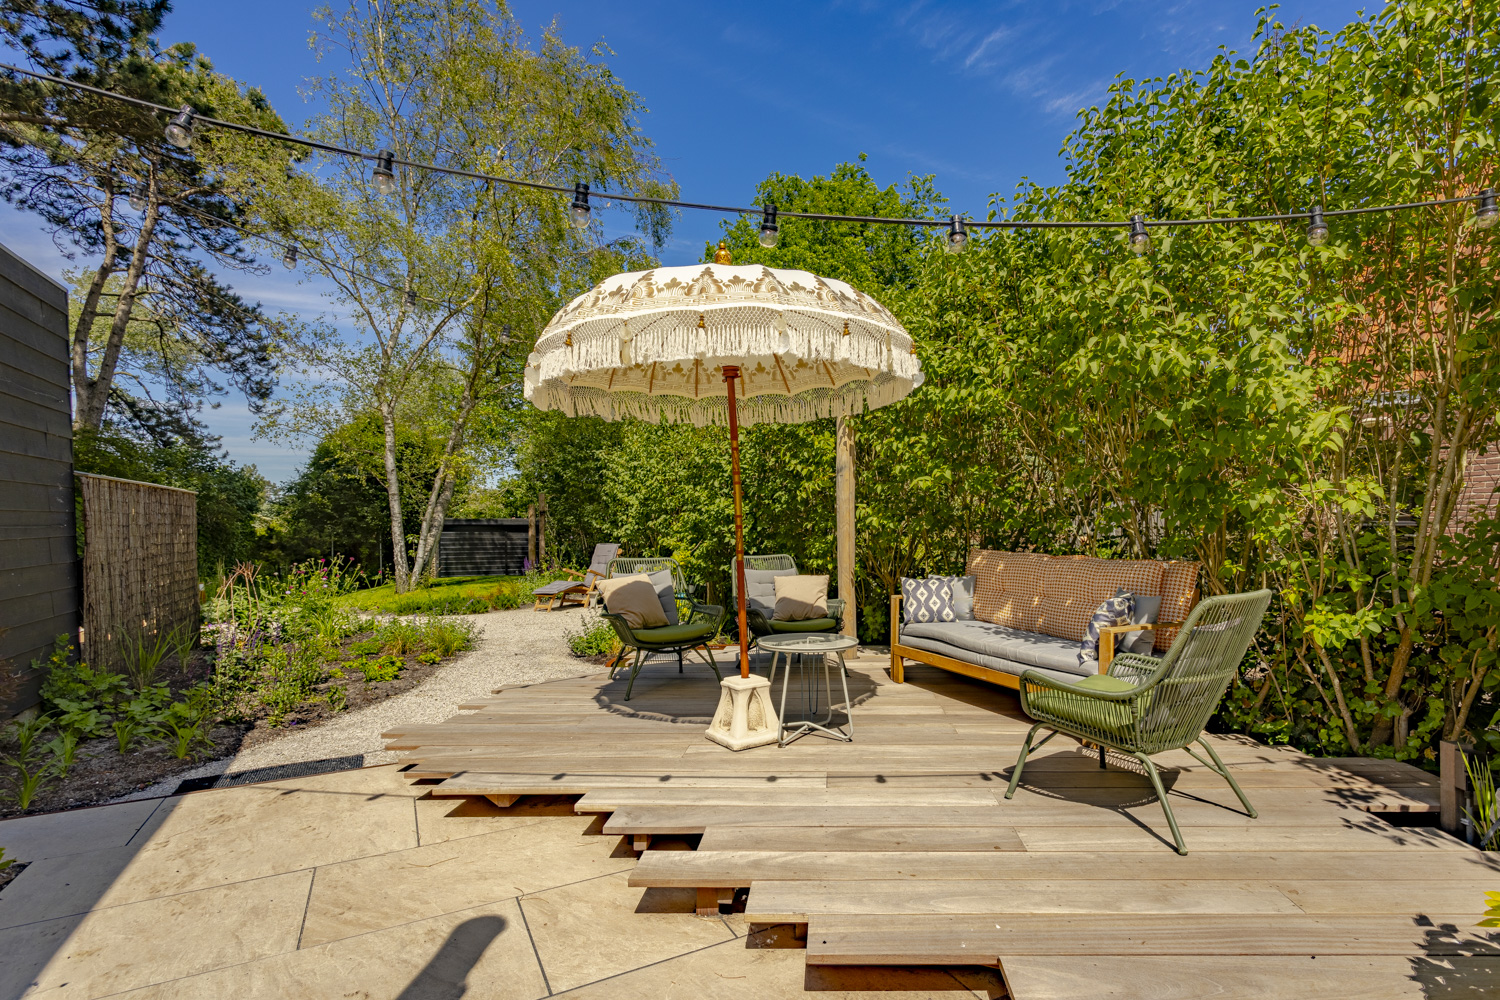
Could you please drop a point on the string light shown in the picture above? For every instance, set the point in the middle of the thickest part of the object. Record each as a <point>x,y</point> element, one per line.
<point>1317,229</point>
<point>581,206</point>
<point>770,232</point>
<point>289,259</point>
<point>180,132</point>
<point>1487,214</point>
<point>385,177</point>
<point>180,129</point>
<point>411,298</point>
<point>1140,240</point>
<point>138,197</point>
<point>958,236</point>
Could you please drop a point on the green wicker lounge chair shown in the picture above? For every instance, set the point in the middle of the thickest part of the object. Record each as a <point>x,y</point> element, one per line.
<point>1146,706</point>
<point>761,624</point>
<point>691,634</point>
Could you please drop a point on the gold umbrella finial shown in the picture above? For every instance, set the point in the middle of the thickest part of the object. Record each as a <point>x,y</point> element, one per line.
<point>721,255</point>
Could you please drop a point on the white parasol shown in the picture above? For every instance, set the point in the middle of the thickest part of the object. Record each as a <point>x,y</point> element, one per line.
<point>671,343</point>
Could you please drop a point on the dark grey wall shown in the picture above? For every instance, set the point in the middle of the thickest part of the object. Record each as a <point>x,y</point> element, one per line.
<point>482,547</point>
<point>38,549</point>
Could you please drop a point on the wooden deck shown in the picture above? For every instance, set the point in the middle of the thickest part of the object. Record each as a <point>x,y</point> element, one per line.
<point>900,849</point>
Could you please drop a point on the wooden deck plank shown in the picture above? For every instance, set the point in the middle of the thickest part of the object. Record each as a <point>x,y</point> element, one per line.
<point>745,868</point>
<point>954,940</point>
<point>861,838</point>
<point>1190,977</point>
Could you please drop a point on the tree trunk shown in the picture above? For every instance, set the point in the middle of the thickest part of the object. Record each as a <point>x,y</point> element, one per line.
<point>95,394</point>
<point>399,572</point>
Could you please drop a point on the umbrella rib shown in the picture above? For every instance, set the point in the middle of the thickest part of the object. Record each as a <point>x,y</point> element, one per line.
<point>829,372</point>
<point>784,380</point>
<point>651,382</point>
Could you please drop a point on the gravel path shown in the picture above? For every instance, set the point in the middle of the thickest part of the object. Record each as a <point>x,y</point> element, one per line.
<point>514,647</point>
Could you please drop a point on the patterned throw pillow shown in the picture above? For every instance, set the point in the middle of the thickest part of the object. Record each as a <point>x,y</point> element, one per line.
<point>1114,611</point>
<point>929,599</point>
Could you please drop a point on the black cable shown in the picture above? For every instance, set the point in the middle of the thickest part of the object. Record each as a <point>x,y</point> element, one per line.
<point>731,209</point>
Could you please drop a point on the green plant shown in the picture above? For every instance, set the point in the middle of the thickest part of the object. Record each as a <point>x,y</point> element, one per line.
<point>429,658</point>
<point>1484,818</point>
<point>30,774</point>
<point>365,647</point>
<point>446,636</point>
<point>64,751</point>
<point>387,668</point>
<point>184,639</point>
<point>4,861</point>
<point>143,653</point>
<point>337,698</point>
<point>125,733</point>
<point>595,637</point>
<point>1492,910</point>
<point>187,723</point>
<point>400,638</point>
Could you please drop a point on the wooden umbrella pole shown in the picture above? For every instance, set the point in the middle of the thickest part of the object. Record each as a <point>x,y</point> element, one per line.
<point>732,372</point>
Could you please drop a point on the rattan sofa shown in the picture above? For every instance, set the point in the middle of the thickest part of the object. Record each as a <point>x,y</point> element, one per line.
<point>1031,610</point>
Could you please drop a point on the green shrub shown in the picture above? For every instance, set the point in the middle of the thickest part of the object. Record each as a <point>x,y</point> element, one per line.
<point>446,636</point>
<point>365,647</point>
<point>387,668</point>
<point>429,658</point>
<point>596,637</point>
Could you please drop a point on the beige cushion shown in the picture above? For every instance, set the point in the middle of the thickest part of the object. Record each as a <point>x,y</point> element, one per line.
<point>799,598</point>
<point>633,598</point>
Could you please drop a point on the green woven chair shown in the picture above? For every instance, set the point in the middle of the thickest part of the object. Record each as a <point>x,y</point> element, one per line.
<point>689,635</point>
<point>760,625</point>
<point>625,565</point>
<point>1146,706</point>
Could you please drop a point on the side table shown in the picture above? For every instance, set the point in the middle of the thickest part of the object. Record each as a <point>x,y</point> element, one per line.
<point>818,645</point>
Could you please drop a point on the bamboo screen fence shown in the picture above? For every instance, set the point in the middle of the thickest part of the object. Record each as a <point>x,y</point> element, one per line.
<point>140,563</point>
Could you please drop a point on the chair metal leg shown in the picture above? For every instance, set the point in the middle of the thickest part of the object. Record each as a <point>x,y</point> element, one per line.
<point>712,664</point>
<point>1224,773</point>
<point>1015,775</point>
<point>635,668</point>
<point>1161,796</point>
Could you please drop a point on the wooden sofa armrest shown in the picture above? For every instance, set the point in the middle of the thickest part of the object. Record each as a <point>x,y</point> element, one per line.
<point>897,673</point>
<point>1107,635</point>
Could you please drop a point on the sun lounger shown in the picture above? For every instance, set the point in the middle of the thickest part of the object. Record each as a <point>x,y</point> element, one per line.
<point>579,589</point>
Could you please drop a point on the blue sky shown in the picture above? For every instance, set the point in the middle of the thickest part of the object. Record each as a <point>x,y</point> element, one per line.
<point>978,94</point>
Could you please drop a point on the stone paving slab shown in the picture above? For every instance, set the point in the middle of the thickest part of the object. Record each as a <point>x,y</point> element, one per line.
<point>359,884</point>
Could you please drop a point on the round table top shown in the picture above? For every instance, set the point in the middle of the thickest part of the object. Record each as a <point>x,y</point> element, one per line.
<point>807,642</point>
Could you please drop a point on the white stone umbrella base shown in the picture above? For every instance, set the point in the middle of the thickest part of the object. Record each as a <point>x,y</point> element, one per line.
<point>745,717</point>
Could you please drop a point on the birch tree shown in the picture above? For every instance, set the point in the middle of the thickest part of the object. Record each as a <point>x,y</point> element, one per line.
<point>447,280</point>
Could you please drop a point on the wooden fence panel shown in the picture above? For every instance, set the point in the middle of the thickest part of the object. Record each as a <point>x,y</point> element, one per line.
<point>140,562</point>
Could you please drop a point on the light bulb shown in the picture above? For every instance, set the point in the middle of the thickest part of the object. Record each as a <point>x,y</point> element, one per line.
<point>180,128</point>
<point>770,233</point>
<point>1488,213</point>
<point>411,298</point>
<point>958,237</point>
<point>289,259</point>
<point>138,197</point>
<point>1317,229</point>
<point>1140,240</point>
<point>385,176</point>
<point>580,206</point>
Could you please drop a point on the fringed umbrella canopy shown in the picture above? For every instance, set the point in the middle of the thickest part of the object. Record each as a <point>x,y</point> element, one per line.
<point>653,345</point>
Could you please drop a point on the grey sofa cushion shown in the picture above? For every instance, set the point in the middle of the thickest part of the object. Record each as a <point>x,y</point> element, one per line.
<point>1031,649</point>
<point>993,662</point>
<point>963,598</point>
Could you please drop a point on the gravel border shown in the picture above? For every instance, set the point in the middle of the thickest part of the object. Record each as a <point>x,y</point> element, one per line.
<point>521,646</point>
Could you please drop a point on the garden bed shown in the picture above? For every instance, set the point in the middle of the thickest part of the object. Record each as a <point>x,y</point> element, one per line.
<point>282,659</point>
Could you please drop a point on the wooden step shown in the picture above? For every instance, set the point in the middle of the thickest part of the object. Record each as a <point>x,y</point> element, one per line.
<point>745,868</point>
<point>960,940</point>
